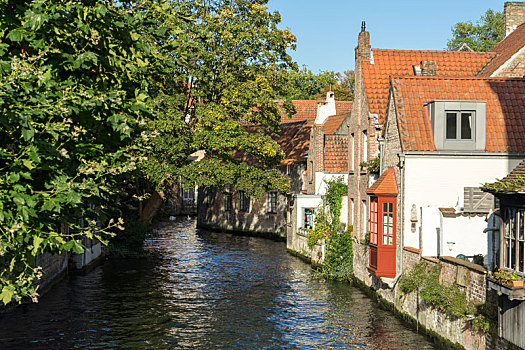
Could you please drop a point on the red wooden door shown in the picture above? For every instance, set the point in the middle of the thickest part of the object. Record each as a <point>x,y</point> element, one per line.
<point>383,236</point>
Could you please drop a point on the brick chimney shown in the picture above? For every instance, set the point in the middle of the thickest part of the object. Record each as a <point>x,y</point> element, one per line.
<point>362,49</point>
<point>514,12</point>
<point>428,68</point>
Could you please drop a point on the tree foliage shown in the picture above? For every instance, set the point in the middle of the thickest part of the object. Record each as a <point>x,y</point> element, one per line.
<point>70,103</point>
<point>343,87</point>
<point>100,98</point>
<point>481,36</point>
<point>305,85</point>
<point>223,75</point>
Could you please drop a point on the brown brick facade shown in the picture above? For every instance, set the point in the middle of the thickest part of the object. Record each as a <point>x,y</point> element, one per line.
<point>361,123</point>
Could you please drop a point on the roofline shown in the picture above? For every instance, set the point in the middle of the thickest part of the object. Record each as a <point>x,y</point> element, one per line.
<point>469,154</point>
<point>487,53</point>
<point>433,77</point>
<point>506,63</point>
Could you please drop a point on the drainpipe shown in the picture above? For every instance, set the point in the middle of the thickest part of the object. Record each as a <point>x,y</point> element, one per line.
<point>402,205</point>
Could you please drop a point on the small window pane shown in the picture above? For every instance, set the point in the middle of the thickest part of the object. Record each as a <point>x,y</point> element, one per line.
<point>451,126</point>
<point>466,126</point>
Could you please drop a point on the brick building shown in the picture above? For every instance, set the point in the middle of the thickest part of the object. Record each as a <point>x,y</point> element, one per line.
<point>270,215</point>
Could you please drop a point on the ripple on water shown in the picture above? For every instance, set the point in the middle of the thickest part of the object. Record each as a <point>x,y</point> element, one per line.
<point>205,290</point>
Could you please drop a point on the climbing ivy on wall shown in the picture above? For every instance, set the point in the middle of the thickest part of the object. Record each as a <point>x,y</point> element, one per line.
<point>338,262</point>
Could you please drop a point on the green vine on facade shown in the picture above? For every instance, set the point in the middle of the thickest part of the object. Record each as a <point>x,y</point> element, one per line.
<point>338,262</point>
<point>372,167</point>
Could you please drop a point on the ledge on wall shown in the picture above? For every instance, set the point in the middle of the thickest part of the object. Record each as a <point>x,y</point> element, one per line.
<point>461,262</point>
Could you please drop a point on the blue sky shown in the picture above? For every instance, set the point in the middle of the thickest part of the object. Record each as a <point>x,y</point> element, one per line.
<point>327,31</point>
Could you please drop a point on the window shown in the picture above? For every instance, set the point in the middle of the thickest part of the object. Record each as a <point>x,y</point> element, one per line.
<point>272,202</point>
<point>365,219</point>
<point>244,201</point>
<point>188,194</point>
<point>365,146</point>
<point>352,153</point>
<point>351,211</point>
<point>388,223</point>
<point>458,125</point>
<point>228,201</point>
<point>373,220</point>
<point>308,218</point>
<point>512,251</point>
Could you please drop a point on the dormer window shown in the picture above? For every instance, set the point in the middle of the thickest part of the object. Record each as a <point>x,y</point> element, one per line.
<point>458,125</point>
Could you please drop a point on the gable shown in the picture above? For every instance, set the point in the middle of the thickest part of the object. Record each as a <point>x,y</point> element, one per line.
<point>507,50</point>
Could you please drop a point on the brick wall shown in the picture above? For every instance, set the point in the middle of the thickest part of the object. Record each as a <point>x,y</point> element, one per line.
<point>257,219</point>
<point>297,243</point>
<point>53,267</point>
<point>469,277</point>
<point>359,122</point>
<point>315,156</point>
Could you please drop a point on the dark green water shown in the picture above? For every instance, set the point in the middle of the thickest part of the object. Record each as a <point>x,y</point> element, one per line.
<point>203,290</point>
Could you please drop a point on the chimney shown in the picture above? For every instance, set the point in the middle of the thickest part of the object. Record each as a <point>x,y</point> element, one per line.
<point>428,68</point>
<point>362,49</point>
<point>326,109</point>
<point>514,12</point>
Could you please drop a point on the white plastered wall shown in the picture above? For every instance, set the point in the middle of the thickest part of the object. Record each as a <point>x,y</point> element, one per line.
<point>433,182</point>
<point>321,178</point>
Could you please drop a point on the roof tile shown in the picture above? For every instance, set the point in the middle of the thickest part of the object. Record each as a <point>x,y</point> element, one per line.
<point>336,153</point>
<point>400,62</point>
<point>505,110</point>
<point>505,49</point>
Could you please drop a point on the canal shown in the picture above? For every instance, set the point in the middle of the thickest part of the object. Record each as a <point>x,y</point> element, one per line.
<point>205,290</point>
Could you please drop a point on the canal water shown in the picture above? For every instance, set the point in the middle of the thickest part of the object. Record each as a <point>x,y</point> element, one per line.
<point>205,290</point>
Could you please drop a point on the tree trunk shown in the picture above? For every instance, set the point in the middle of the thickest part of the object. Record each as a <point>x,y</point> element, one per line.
<point>152,206</point>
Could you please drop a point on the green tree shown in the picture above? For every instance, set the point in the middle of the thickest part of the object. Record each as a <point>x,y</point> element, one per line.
<point>305,85</point>
<point>72,98</point>
<point>343,87</point>
<point>482,36</point>
<point>215,92</point>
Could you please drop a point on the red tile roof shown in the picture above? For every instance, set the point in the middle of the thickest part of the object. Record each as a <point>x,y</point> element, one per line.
<point>295,147</point>
<point>400,62</point>
<point>307,110</point>
<point>386,184</point>
<point>336,153</point>
<point>505,109</point>
<point>505,49</point>
<point>294,140</point>
<point>333,123</point>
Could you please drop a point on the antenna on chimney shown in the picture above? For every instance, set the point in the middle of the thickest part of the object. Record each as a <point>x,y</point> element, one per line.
<point>363,26</point>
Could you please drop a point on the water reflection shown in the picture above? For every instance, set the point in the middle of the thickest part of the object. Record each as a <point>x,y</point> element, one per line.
<point>205,290</point>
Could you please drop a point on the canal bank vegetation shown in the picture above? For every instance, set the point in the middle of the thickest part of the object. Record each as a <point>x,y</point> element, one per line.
<point>424,279</point>
<point>338,261</point>
<point>102,96</point>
